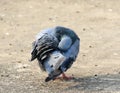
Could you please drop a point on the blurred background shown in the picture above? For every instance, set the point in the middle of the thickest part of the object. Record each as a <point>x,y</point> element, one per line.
<point>97,23</point>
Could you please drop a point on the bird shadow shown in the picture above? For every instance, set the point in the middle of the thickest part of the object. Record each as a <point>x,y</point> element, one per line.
<point>109,82</point>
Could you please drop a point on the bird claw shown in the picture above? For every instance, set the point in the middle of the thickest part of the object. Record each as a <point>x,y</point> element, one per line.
<point>64,77</point>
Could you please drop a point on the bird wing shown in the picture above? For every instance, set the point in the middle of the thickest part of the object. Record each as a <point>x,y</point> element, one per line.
<point>43,46</point>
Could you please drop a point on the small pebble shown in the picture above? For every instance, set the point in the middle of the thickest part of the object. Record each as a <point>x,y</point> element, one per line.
<point>3,37</point>
<point>5,75</point>
<point>110,10</point>
<point>17,24</point>
<point>1,19</point>
<point>50,19</point>
<point>7,34</point>
<point>95,75</point>
<point>5,9</point>
<point>115,54</point>
<point>84,29</point>
<point>24,66</point>
<point>77,11</point>
<point>21,50</point>
<point>2,15</point>
<point>30,6</point>
<point>2,75</point>
<point>10,54</point>
<point>31,87</point>
<point>50,7</point>
<point>96,65</point>
<point>84,55</point>
<point>20,15</point>
<point>19,61</point>
<point>10,44</point>
<point>90,46</point>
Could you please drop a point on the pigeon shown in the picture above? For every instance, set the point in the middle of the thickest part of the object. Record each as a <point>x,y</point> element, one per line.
<point>55,50</point>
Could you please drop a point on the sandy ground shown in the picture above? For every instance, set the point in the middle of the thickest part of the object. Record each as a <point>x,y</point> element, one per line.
<point>97,22</point>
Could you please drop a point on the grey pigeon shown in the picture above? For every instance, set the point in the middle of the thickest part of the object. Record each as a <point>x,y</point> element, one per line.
<point>55,49</point>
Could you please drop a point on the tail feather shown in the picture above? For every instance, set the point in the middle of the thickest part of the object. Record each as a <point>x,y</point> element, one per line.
<point>33,54</point>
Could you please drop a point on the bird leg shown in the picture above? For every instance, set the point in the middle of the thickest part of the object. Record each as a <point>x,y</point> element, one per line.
<point>64,77</point>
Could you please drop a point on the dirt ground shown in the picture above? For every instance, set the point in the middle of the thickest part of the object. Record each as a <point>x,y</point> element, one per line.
<point>97,22</point>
